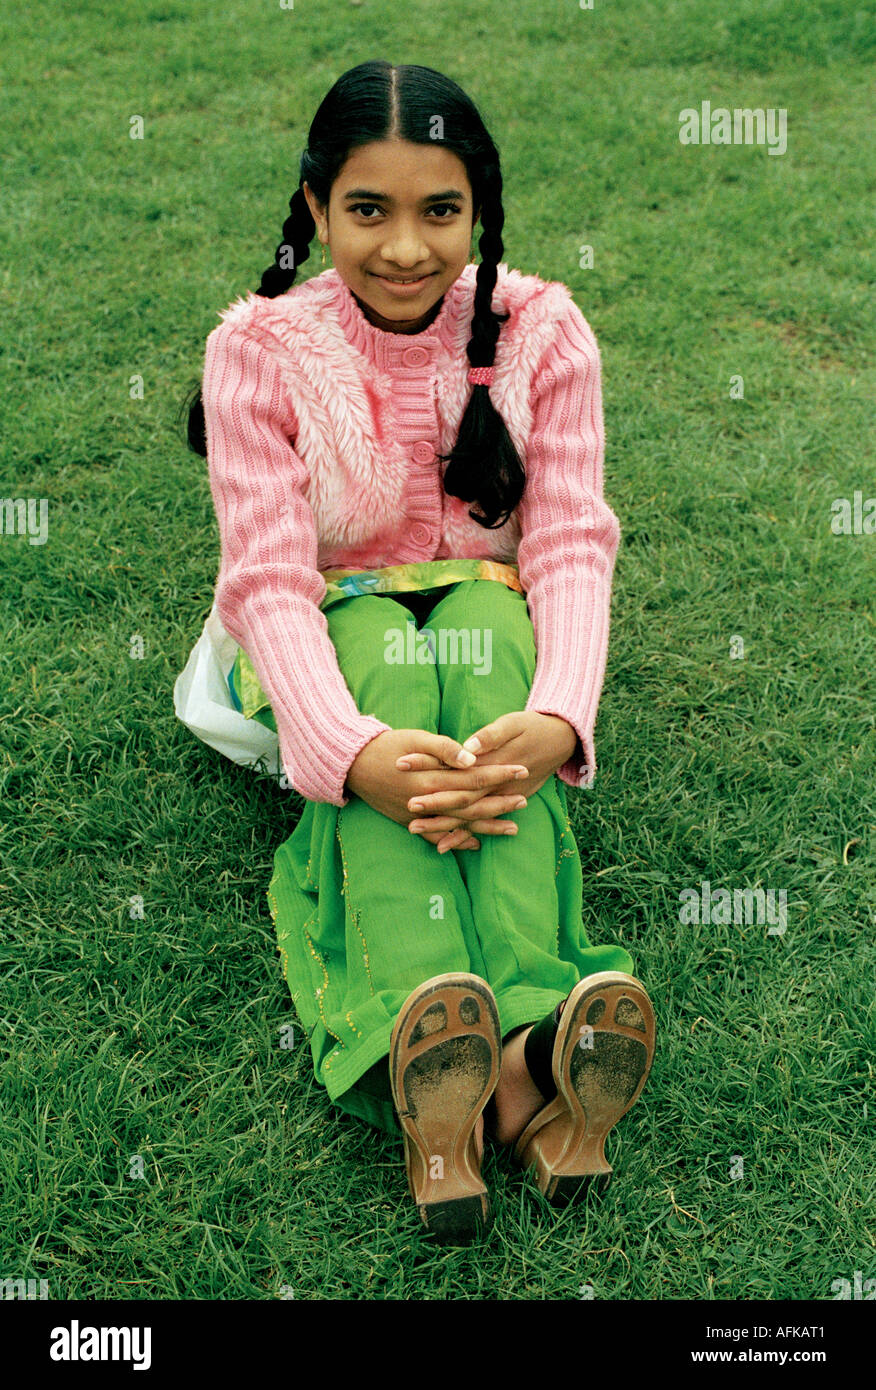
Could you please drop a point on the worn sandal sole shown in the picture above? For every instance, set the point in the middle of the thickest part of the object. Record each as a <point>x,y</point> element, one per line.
<point>445,1055</point>
<point>602,1055</point>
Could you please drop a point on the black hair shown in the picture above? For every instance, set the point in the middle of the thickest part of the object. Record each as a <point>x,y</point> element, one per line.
<point>380,101</point>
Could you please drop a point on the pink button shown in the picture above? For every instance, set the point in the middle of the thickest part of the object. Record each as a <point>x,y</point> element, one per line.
<point>415,357</point>
<point>420,534</point>
<point>423,452</point>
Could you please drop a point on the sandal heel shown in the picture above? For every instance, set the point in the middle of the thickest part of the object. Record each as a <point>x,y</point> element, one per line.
<point>454,1208</point>
<point>459,1222</point>
<point>602,1056</point>
<point>445,1054</point>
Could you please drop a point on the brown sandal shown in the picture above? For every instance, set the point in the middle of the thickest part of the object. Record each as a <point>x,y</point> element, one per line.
<point>602,1055</point>
<point>445,1055</point>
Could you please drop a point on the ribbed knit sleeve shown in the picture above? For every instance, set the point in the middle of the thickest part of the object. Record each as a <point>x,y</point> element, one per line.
<point>569,539</point>
<point>268,589</point>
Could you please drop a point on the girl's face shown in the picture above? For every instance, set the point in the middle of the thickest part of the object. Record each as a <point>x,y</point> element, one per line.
<point>398,212</point>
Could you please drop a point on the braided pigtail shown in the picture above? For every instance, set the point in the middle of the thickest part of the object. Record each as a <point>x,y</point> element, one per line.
<point>483,463</point>
<point>297,234</point>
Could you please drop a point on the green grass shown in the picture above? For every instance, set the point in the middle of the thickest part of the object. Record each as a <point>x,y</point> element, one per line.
<point>160,1036</point>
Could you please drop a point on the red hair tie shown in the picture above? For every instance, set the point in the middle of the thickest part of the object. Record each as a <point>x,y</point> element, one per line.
<point>480,376</point>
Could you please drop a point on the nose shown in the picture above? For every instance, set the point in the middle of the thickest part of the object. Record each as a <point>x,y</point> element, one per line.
<point>404,246</point>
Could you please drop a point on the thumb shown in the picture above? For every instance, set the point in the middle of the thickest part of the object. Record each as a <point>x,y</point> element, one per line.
<point>496,733</point>
<point>447,750</point>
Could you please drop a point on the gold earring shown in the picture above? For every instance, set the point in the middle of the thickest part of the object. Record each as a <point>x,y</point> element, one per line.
<point>323,253</point>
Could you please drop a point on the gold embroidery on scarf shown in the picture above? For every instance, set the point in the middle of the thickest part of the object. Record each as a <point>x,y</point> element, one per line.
<point>274,909</point>
<point>284,959</point>
<point>565,853</point>
<point>318,993</point>
<point>354,915</point>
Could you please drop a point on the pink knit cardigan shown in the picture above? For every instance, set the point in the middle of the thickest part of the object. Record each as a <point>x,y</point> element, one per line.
<point>322,434</point>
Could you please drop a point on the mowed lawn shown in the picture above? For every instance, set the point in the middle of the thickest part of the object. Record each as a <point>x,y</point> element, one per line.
<point>157,1140</point>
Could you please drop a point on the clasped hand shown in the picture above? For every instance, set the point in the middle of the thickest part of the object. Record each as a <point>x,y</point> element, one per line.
<point>405,769</point>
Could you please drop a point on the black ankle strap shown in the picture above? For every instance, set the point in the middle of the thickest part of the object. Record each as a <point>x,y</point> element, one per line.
<point>538,1053</point>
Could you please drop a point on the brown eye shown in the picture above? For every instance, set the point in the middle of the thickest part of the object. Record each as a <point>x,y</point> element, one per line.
<point>448,208</point>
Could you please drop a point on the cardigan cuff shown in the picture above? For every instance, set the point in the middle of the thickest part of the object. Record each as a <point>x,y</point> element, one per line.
<point>323,778</point>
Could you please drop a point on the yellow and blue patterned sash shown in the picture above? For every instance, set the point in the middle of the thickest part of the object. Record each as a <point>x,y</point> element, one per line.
<point>247,694</point>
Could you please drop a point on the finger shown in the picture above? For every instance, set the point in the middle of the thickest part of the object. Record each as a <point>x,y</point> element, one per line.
<point>491,806</point>
<point>449,841</point>
<point>435,839</point>
<point>439,826</point>
<point>464,803</point>
<point>487,808</point>
<point>428,830</point>
<point>479,780</point>
<point>493,827</point>
<point>448,751</point>
<point>418,762</point>
<point>497,732</point>
<point>455,840</point>
<point>438,836</point>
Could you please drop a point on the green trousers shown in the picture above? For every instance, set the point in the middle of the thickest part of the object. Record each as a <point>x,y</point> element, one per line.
<point>365,911</point>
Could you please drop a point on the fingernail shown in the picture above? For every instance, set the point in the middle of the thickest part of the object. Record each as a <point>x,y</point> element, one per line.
<point>510,830</point>
<point>465,757</point>
<point>521,772</point>
<point>402,763</point>
<point>518,805</point>
<point>473,743</point>
<point>416,806</point>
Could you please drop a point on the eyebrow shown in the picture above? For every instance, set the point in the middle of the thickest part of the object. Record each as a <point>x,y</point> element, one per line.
<point>383,198</point>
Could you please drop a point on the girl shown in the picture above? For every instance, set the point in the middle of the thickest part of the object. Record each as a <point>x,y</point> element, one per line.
<point>348,423</point>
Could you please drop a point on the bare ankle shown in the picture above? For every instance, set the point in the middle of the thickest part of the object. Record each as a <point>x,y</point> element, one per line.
<point>517,1097</point>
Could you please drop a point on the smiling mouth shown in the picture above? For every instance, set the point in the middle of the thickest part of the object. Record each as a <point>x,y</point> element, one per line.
<point>408,280</point>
